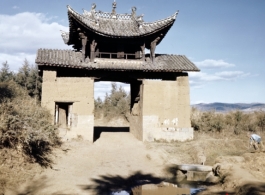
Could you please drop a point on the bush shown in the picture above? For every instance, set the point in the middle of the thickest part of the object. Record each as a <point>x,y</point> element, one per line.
<point>236,122</point>
<point>25,126</point>
<point>260,120</point>
<point>207,121</point>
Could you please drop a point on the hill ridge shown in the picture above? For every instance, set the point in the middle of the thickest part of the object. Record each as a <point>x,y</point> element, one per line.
<point>226,107</point>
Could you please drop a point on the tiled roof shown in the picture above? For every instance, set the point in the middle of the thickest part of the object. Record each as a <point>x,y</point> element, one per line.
<point>118,25</point>
<point>71,59</point>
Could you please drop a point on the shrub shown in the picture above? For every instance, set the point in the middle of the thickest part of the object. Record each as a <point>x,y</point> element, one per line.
<point>25,126</point>
<point>260,122</point>
<point>235,121</point>
<point>207,121</point>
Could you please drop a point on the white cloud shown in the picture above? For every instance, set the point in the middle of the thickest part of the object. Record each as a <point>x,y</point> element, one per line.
<point>231,74</point>
<point>200,79</point>
<point>24,33</point>
<point>225,76</point>
<point>212,64</point>
<point>16,60</point>
<point>15,7</point>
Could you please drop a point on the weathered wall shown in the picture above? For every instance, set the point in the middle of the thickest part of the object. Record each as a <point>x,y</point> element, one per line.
<point>80,91</point>
<point>136,122</point>
<point>166,110</point>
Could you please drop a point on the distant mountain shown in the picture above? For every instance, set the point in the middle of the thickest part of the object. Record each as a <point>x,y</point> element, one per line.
<point>225,107</point>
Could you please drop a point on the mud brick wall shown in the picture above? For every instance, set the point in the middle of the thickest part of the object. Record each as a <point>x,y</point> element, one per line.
<point>166,110</point>
<point>79,91</point>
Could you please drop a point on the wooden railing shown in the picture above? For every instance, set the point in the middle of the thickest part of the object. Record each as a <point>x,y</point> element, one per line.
<point>115,55</point>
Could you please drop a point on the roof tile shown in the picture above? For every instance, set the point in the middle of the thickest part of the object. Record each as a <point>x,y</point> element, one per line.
<point>71,59</point>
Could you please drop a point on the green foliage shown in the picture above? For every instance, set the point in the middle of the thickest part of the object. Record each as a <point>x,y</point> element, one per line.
<point>98,107</point>
<point>26,126</point>
<point>23,74</point>
<point>5,92</point>
<point>5,73</point>
<point>116,104</point>
<point>28,78</point>
<point>236,121</point>
<point>207,121</point>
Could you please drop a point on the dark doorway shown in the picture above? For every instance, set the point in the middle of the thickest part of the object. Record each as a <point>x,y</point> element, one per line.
<point>62,114</point>
<point>99,130</point>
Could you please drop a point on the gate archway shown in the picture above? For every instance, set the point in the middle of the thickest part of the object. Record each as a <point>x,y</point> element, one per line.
<point>111,47</point>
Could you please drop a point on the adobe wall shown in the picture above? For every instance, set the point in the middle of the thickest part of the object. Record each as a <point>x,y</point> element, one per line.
<point>166,110</point>
<point>136,118</point>
<point>80,91</point>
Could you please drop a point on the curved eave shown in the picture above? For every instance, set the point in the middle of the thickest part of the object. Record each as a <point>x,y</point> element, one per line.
<point>134,31</point>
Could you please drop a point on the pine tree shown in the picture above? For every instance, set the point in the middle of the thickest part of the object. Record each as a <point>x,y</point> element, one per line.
<point>34,82</point>
<point>5,73</point>
<point>28,78</point>
<point>23,74</point>
<point>116,104</point>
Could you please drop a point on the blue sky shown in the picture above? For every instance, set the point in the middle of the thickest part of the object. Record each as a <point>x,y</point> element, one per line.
<point>224,38</point>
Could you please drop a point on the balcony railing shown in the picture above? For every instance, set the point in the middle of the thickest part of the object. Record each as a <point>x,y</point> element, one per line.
<point>115,55</point>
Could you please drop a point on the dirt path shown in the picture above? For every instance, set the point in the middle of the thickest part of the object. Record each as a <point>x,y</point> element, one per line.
<point>113,154</point>
<point>117,160</point>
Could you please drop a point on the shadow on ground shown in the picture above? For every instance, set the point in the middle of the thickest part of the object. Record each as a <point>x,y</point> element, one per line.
<point>99,130</point>
<point>253,188</point>
<point>105,185</point>
<point>171,171</point>
<point>30,188</point>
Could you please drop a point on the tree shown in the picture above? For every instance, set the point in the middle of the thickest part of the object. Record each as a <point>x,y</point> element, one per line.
<point>23,74</point>
<point>116,104</point>
<point>28,78</point>
<point>34,82</point>
<point>98,107</point>
<point>5,73</point>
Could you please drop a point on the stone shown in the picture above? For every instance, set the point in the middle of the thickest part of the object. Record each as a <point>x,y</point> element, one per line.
<point>194,167</point>
<point>196,176</point>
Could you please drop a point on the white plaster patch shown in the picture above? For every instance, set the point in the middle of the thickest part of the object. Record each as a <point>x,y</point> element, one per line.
<point>170,122</point>
<point>175,121</point>
<point>171,134</point>
<point>166,122</point>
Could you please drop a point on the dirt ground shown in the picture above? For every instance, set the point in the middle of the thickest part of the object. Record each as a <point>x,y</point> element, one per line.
<point>116,161</point>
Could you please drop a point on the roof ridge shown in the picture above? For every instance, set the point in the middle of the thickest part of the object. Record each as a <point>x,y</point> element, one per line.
<point>116,25</point>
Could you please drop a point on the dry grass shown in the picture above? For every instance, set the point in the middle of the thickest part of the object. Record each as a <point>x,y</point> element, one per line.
<point>26,136</point>
<point>212,144</point>
<point>15,169</point>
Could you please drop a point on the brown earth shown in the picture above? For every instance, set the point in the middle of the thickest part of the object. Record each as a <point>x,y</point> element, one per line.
<point>117,160</point>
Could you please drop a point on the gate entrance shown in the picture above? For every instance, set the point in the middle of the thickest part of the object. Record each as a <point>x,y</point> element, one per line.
<point>111,47</point>
<point>112,108</point>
